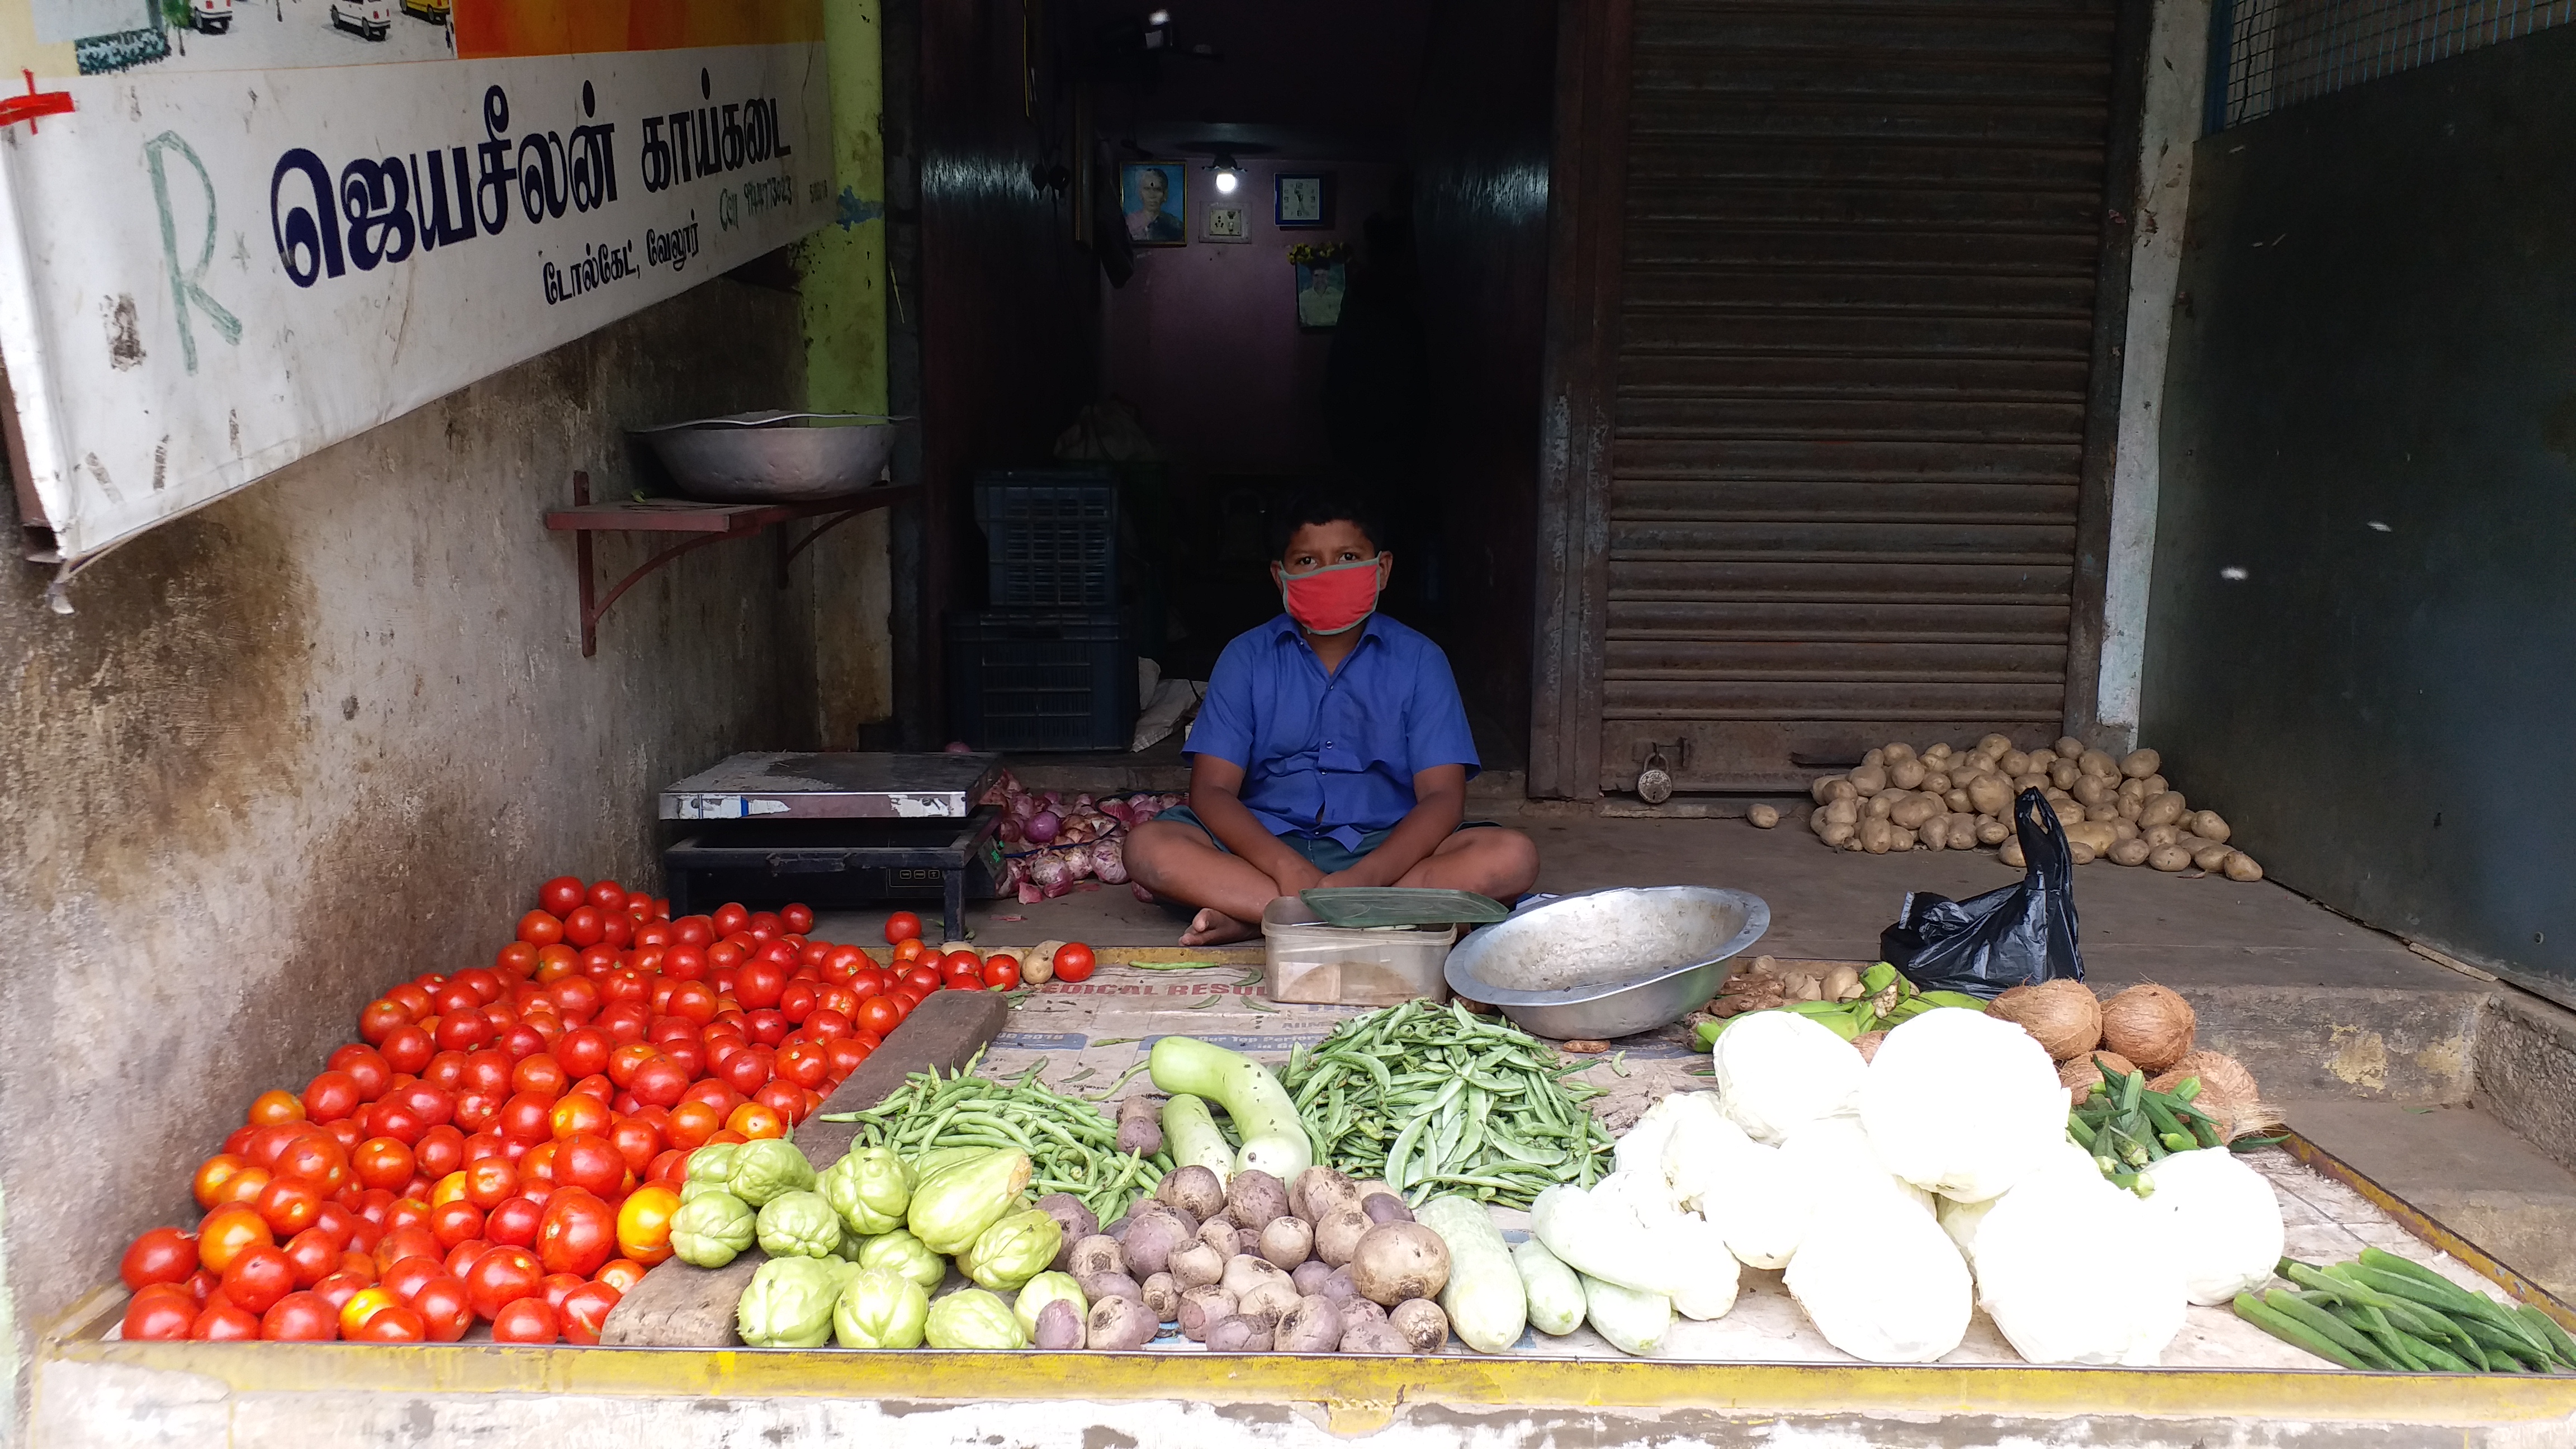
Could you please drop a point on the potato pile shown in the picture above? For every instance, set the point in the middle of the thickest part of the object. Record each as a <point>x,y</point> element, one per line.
<point>2146,1029</point>
<point>1938,798</point>
<point>1324,1265</point>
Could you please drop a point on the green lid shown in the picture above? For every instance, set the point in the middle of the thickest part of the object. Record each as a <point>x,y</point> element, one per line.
<point>1367,906</point>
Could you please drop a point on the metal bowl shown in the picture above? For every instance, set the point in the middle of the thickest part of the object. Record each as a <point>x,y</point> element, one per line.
<point>1608,963</point>
<point>774,457</point>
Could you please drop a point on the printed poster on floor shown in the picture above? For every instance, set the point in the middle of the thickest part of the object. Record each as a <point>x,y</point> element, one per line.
<point>234,232</point>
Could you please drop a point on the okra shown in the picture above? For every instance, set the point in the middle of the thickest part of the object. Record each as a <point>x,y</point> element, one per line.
<point>2326,1325</point>
<point>2290,1331</point>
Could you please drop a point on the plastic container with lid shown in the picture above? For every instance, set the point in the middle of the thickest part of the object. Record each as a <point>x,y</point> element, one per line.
<point>1309,961</point>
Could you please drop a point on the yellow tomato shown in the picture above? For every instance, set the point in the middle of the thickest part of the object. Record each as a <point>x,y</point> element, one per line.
<point>644,1224</point>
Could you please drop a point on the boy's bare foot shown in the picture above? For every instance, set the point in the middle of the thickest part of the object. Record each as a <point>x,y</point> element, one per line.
<point>1212,927</point>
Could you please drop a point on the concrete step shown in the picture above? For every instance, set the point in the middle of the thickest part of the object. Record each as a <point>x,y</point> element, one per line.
<point>2463,1167</point>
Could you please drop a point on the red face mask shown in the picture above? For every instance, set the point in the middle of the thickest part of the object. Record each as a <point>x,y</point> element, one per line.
<point>1331,600</point>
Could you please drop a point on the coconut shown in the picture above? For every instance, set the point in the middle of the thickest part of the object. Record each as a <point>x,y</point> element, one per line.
<point>1867,1044</point>
<point>2081,1075</point>
<point>2149,1025</point>
<point>2227,1091</point>
<point>2061,1014</point>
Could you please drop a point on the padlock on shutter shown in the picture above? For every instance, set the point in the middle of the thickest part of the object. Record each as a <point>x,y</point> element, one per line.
<point>1655,782</point>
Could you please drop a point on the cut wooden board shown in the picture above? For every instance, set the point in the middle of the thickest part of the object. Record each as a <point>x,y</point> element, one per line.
<point>677,1306</point>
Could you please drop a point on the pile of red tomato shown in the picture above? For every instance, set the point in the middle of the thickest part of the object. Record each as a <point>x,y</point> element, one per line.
<point>505,1145</point>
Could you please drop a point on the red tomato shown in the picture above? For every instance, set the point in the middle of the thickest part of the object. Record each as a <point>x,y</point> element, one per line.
<point>312,1255</point>
<point>582,927</point>
<point>478,1111</point>
<point>730,917</point>
<point>584,1051</point>
<point>517,960</point>
<point>407,1212</point>
<point>842,1056</point>
<point>338,1224</point>
<point>526,1117</point>
<point>527,1320</point>
<point>445,1309</point>
<point>1001,973</point>
<point>692,1122</point>
<point>514,1222</point>
<point>765,925</point>
<point>541,929</point>
<point>440,1151</point>
<point>556,1285</point>
<point>616,928</point>
<point>289,1205</point>
<point>784,1098</point>
<point>1073,962</point>
<point>760,983</point>
<point>409,1049</point>
<point>561,894</point>
<point>755,1120</point>
<point>621,1274</point>
<point>924,979</point>
<point>660,1082</point>
<point>463,1032</point>
<point>637,1141</point>
<point>380,1019</point>
<point>828,1024</point>
<point>607,895</point>
<point>336,1289</point>
<point>395,1324</point>
<point>798,1002</point>
<point>258,1277</point>
<point>806,1064</point>
<point>299,1318</point>
<point>540,1075</point>
<point>222,1321</point>
<point>384,1162</point>
<point>589,1162</point>
<point>501,1276</point>
<point>405,1277</point>
<point>878,1014</point>
<point>455,1222</point>
<point>409,1241</point>
<point>584,1310</point>
<point>163,1255</point>
<point>165,1311</point>
<point>538,1166</point>
<point>556,963</point>
<point>867,981</point>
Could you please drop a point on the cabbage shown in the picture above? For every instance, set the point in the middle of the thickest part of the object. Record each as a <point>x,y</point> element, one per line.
<point>1881,1282</point>
<point>789,1302</point>
<point>2220,1220</point>
<point>879,1309</point>
<point>1962,1103</point>
<point>1012,1251</point>
<point>1042,1290</point>
<point>953,1206</point>
<point>869,1189</point>
<point>711,1230</point>
<point>2076,1271</point>
<point>904,1255</point>
<point>799,1225</point>
<point>1777,1071</point>
<point>1734,1182</point>
<point>1626,1232</point>
<point>973,1318</point>
<point>766,1167</point>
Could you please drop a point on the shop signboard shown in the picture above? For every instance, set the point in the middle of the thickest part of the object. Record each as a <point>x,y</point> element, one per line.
<point>267,225</point>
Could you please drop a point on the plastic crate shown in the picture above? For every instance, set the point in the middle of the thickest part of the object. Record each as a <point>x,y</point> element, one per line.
<point>1021,680</point>
<point>1051,537</point>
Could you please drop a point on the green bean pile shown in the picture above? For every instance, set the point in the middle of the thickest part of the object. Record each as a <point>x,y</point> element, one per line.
<point>1434,1100</point>
<point>1071,1146</point>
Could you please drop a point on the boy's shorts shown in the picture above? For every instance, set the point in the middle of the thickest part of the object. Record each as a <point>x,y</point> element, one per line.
<point>1322,851</point>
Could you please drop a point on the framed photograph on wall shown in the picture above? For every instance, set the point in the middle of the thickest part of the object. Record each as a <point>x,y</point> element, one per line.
<point>1226,221</point>
<point>1302,199</point>
<point>1321,284</point>
<point>1154,197</point>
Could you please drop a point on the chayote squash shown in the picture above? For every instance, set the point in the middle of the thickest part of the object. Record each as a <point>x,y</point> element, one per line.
<point>953,1207</point>
<point>799,1225</point>
<point>868,1189</point>
<point>711,1230</point>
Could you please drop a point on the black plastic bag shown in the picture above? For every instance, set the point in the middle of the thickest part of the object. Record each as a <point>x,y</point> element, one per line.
<point>1988,944</point>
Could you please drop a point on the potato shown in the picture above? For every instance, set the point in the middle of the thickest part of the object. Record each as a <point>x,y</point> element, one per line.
<point>2063,774</point>
<point>1991,794</point>
<point>2043,761</point>
<point>1993,744</point>
<point>1163,1296</point>
<point>1075,1223</point>
<point>1095,1255</point>
<point>1991,831</point>
<point>2159,836</point>
<point>2092,790</point>
<point>1309,1276</point>
<point>1936,783</point>
<point>1876,836</point>
<point>2029,782</point>
<point>2164,809</point>
<point>2123,829</point>
<point>1238,1335</point>
<point>1907,774</point>
<point>1838,787</point>
<point>1845,811</point>
<point>1386,1207</point>
<point>1195,1265</point>
<point>2139,764</point>
<point>1152,1241</point>
<point>1194,1189</point>
<point>1913,810</point>
<point>2134,790</point>
<point>2102,814</point>
<point>1288,1242</point>
<point>2095,834</point>
<point>1937,750</point>
<point>1110,1285</point>
<point>1269,1301</point>
<point>1200,1307</point>
<point>2010,853</point>
<point>1837,836</point>
<point>1900,840</point>
<point>1895,754</point>
<point>1397,1261</point>
<point>2013,762</point>
<point>1869,779</point>
<point>1958,801</point>
<point>1878,805</point>
<point>1421,1322</point>
<point>2099,765</point>
<point>1963,831</point>
<point>1762,817</point>
<point>1313,1326</point>
<point>1816,787</point>
<point>1372,1336</point>
<point>1059,1326</point>
<point>2156,785</point>
<point>1874,757</point>
<point>1121,1323</point>
<point>2208,826</point>
<point>1842,984</point>
<point>1935,834</point>
<point>2211,856</point>
<point>2169,858</point>
<point>2240,866</point>
<point>1255,1197</point>
<point>2131,851</point>
<point>2080,853</point>
<point>2068,747</point>
<point>2131,807</point>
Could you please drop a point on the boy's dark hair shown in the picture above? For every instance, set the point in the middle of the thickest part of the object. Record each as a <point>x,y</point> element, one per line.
<point>1324,506</point>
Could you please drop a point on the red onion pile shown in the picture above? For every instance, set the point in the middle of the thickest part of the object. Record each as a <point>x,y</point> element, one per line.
<point>1049,843</point>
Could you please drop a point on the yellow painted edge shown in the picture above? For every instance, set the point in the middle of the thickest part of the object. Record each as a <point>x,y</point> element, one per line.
<point>1349,1383</point>
<point>2425,1226</point>
<point>1213,955</point>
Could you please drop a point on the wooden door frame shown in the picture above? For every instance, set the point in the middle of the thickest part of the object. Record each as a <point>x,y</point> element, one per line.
<point>1587,215</point>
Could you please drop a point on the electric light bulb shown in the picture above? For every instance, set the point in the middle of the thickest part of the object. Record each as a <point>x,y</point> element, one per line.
<point>1225,182</point>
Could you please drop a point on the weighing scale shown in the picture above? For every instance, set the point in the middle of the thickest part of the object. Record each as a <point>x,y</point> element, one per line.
<point>836,830</point>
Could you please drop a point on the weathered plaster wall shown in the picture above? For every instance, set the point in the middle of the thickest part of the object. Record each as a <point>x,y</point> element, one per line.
<point>328,734</point>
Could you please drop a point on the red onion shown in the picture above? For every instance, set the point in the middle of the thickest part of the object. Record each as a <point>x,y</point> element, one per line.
<point>1077,861</point>
<point>959,747</point>
<point>1010,831</point>
<point>1048,873</point>
<point>1042,827</point>
<point>1142,894</point>
<point>1109,862</point>
<point>1030,895</point>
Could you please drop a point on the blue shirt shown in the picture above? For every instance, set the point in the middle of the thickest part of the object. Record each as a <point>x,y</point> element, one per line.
<point>1333,754</point>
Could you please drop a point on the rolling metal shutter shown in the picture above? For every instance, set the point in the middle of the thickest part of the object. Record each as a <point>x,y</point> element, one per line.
<point>1860,254</point>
